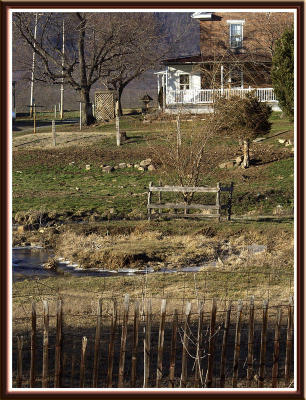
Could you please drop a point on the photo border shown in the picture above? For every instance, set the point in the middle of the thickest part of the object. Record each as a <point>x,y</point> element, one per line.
<point>102,393</point>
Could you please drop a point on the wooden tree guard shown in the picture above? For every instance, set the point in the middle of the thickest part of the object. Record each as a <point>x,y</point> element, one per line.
<point>192,206</point>
<point>224,345</point>
<point>289,343</point>
<point>19,363</point>
<point>45,345</point>
<point>237,345</point>
<point>82,366</point>
<point>33,346</point>
<point>173,349</point>
<point>183,381</point>
<point>111,346</point>
<point>211,346</point>
<point>147,343</point>
<point>159,371</point>
<point>250,342</point>
<point>104,105</point>
<point>198,371</point>
<point>263,345</point>
<point>97,344</point>
<point>135,344</point>
<point>276,348</point>
<point>58,345</point>
<point>123,340</point>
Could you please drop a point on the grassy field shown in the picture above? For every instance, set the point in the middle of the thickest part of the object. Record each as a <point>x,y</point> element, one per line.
<point>51,185</point>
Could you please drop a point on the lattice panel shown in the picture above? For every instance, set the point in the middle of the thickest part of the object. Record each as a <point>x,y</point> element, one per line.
<point>104,105</point>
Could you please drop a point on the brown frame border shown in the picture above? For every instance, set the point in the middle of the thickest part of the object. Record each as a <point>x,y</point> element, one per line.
<point>5,6</point>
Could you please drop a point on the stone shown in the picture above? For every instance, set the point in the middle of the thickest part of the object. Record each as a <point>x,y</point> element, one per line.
<point>281,141</point>
<point>145,163</point>
<point>130,165</point>
<point>71,163</point>
<point>239,160</point>
<point>141,169</point>
<point>122,165</point>
<point>111,211</point>
<point>151,167</point>
<point>136,166</point>
<point>227,165</point>
<point>87,167</point>
<point>108,169</point>
<point>77,189</point>
<point>116,167</point>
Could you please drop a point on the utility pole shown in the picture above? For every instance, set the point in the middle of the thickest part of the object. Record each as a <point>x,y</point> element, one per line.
<point>33,67</point>
<point>62,84</point>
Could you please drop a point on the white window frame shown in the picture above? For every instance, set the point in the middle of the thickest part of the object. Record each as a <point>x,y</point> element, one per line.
<point>235,22</point>
<point>179,81</point>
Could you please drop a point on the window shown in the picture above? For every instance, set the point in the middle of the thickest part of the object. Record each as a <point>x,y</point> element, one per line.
<point>236,35</point>
<point>184,82</point>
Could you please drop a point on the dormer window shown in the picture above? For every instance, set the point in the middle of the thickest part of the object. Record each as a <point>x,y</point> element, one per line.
<point>235,34</point>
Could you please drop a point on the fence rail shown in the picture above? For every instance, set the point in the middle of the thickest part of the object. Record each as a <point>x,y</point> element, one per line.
<point>239,345</point>
<point>207,96</point>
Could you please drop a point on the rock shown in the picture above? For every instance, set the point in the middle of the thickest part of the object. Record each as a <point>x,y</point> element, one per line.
<point>130,165</point>
<point>141,169</point>
<point>87,167</point>
<point>122,165</point>
<point>103,165</point>
<point>281,141</point>
<point>288,143</point>
<point>71,163</point>
<point>151,167</point>
<point>239,160</point>
<point>116,167</point>
<point>145,163</point>
<point>111,211</point>
<point>227,165</point>
<point>108,169</point>
<point>136,165</point>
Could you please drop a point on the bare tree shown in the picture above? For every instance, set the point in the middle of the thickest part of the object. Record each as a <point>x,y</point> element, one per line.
<point>95,43</point>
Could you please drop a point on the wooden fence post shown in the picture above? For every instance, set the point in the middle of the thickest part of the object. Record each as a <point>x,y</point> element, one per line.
<point>149,201</point>
<point>211,347</point>
<point>159,371</point>
<point>263,345</point>
<point>183,381</point>
<point>82,366</point>
<point>123,340</point>
<point>33,346</point>
<point>198,372</point>
<point>173,349</point>
<point>237,345</point>
<point>224,344</point>
<point>229,208</point>
<point>45,344</point>
<point>289,342</point>
<point>53,133</point>
<point>147,343</point>
<point>97,344</point>
<point>218,201</point>
<point>135,344</point>
<point>118,141</point>
<point>19,365</point>
<point>58,345</point>
<point>160,198</point>
<point>111,346</point>
<point>250,342</point>
<point>276,348</point>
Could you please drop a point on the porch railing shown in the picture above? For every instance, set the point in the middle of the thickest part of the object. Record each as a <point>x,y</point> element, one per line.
<point>202,96</point>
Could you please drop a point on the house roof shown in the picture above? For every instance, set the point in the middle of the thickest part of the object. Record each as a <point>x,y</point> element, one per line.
<point>229,58</point>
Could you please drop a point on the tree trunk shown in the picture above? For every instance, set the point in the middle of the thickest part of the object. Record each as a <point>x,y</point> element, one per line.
<point>120,91</point>
<point>87,115</point>
<point>246,153</point>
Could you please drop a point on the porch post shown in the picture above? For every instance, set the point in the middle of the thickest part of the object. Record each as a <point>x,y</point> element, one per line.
<point>241,74</point>
<point>158,89</point>
<point>164,91</point>
<point>222,79</point>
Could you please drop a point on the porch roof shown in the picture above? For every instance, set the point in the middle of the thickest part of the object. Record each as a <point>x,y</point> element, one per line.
<point>228,58</point>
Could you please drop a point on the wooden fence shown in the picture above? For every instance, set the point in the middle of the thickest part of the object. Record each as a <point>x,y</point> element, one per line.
<point>239,345</point>
<point>214,210</point>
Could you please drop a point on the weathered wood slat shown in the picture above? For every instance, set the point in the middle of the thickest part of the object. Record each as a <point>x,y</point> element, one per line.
<point>224,345</point>
<point>237,345</point>
<point>123,340</point>
<point>263,346</point>
<point>211,346</point>
<point>135,344</point>
<point>82,365</point>
<point>45,344</point>
<point>190,215</point>
<point>111,347</point>
<point>97,344</point>
<point>58,345</point>
<point>289,343</point>
<point>159,371</point>
<point>184,189</point>
<point>198,371</point>
<point>183,381</point>
<point>33,346</point>
<point>276,348</point>
<point>147,343</point>
<point>19,361</point>
<point>173,350</point>
<point>184,206</point>
<point>250,342</point>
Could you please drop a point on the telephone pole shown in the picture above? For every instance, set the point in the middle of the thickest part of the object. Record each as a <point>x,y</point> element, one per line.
<point>62,84</point>
<point>33,67</point>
